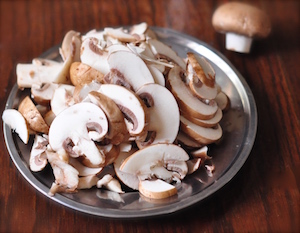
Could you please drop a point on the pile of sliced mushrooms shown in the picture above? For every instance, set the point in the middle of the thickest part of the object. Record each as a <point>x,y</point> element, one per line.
<point>121,109</point>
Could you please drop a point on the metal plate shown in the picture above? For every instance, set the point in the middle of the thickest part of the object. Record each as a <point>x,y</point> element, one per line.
<point>239,125</point>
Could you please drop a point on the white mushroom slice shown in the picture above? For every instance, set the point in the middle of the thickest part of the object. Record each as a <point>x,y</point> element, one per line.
<point>84,170</point>
<point>44,62</point>
<point>130,104</point>
<point>156,189</point>
<point>15,120</point>
<point>131,68</point>
<point>168,157</point>
<point>186,141</point>
<point>69,131</point>
<point>80,93</point>
<point>201,153</point>
<point>223,101</point>
<point>157,75</point>
<point>66,176</point>
<point>117,130</point>
<point>38,158</point>
<point>93,55</point>
<point>201,134</point>
<point>121,35</point>
<point>200,68</point>
<point>117,47</point>
<point>139,29</point>
<point>33,117</point>
<point>163,112</point>
<point>71,46</point>
<point>87,182</point>
<point>128,179</point>
<point>62,98</point>
<point>99,35</point>
<point>161,50</point>
<point>193,165</point>
<point>206,123</point>
<point>42,93</point>
<point>110,183</point>
<point>188,103</point>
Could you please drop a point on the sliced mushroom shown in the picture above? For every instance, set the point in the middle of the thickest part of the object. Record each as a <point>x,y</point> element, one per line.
<point>131,68</point>
<point>188,103</point>
<point>42,93</point>
<point>71,46</point>
<point>200,68</point>
<point>69,131</point>
<point>62,98</point>
<point>38,157</point>
<point>66,176</point>
<point>130,180</point>
<point>193,165</point>
<point>130,105</point>
<point>81,93</point>
<point>206,123</point>
<point>82,169</point>
<point>87,182</point>
<point>81,74</point>
<point>15,120</point>
<point>156,189</point>
<point>161,50</point>
<point>121,35</point>
<point>164,161</point>
<point>163,114</point>
<point>186,141</point>
<point>117,130</point>
<point>94,55</point>
<point>223,101</point>
<point>201,134</point>
<point>32,115</point>
<point>110,183</point>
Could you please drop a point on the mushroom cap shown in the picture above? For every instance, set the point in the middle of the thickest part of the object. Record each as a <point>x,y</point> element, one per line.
<point>243,19</point>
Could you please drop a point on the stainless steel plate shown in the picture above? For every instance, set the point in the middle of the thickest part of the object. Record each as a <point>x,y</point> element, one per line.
<point>239,125</point>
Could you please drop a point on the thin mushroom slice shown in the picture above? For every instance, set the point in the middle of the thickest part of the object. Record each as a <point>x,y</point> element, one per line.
<point>161,50</point>
<point>163,114</point>
<point>66,176</point>
<point>198,66</point>
<point>94,55</point>
<point>201,134</point>
<point>122,35</point>
<point>110,183</point>
<point>131,68</point>
<point>130,105</point>
<point>87,182</point>
<point>156,189</point>
<point>38,157</point>
<point>223,101</point>
<point>188,103</point>
<point>15,120</point>
<point>206,123</point>
<point>82,169</point>
<point>165,161</point>
<point>35,120</point>
<point>43,93</point>
<point>69,131</point>
<point>71,46</point>
<point>62,98</point>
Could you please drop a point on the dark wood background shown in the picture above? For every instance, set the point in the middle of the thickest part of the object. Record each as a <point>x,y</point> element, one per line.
<point>262,197</point>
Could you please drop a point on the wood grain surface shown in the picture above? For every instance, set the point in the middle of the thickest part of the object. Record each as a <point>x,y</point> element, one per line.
<point>262,197</point>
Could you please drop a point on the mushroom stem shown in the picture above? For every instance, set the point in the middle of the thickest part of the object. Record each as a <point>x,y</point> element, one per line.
<point>238,43</point>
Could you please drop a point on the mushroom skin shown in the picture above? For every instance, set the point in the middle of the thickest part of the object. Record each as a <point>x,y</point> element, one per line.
<point>35,120</point>
<point>117,130</point>
<point>241,22</point>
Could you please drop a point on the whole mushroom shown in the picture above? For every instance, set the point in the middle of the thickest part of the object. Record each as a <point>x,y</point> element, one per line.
<point>241,23</point>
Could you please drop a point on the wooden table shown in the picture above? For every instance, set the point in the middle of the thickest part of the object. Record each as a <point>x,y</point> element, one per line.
<point>262,197</point>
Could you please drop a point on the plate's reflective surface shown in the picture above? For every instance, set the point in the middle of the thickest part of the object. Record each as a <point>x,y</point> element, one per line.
<point>239,126</point>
